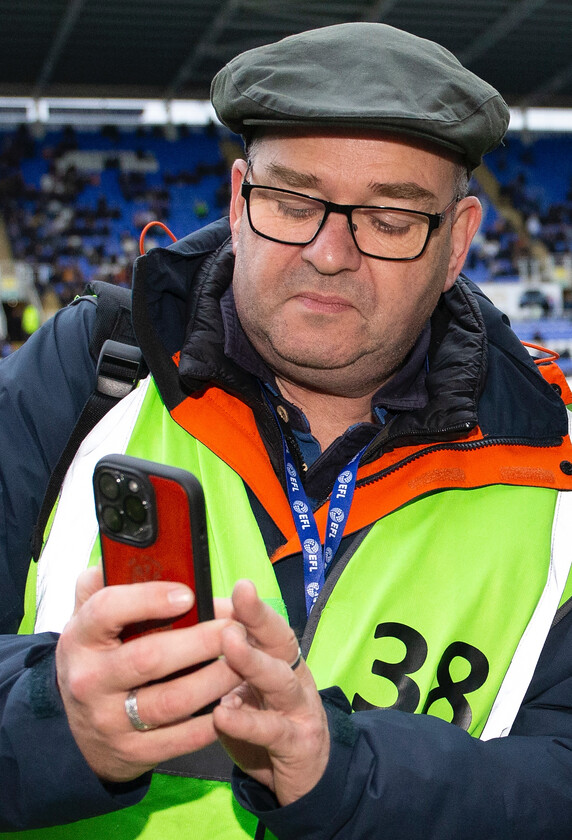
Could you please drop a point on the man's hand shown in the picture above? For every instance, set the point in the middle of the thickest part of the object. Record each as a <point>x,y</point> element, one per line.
<point>96,671</point>
<point>274,726</point>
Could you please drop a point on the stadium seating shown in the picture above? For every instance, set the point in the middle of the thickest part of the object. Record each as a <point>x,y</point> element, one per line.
<point>74,203</point>
<point>84,196</point>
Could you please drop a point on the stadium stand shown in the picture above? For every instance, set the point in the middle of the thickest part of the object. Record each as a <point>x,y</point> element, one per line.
<point>74,203</point>
<point>523,255</point>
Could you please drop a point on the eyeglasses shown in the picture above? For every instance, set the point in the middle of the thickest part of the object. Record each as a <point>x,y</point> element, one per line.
<point>386,233</point>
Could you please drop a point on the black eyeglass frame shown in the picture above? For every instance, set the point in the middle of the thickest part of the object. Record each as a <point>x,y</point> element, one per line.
<point>435,219</point>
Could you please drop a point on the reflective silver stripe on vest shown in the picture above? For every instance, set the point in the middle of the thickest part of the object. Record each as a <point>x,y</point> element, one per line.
<point>520,671</point>
<point>74,530</point>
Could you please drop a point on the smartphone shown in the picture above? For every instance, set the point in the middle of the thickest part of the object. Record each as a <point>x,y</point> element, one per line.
<point>152,526</point>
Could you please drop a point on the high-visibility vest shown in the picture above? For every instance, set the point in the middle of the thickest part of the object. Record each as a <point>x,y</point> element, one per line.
<point>440,604</point>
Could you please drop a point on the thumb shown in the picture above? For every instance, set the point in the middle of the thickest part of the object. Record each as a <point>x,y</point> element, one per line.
<point>87,584</point>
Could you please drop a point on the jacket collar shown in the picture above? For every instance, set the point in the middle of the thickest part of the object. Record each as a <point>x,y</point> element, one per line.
<point>479,373</point>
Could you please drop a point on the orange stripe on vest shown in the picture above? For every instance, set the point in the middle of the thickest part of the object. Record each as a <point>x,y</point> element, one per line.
<point>436,469</point>
<point>227,427</point>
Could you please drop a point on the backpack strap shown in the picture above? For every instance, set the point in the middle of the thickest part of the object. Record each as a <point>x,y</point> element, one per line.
<point>120,367</point>
<point>113,319</point>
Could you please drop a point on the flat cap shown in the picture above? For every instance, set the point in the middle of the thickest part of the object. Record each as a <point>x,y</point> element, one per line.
<point>364,76</point>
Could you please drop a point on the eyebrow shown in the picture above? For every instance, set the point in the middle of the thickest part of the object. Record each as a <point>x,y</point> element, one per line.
<point>292,177</point>
<point>407,190</point>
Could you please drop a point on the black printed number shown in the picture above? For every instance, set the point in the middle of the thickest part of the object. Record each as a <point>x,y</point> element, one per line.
<point>454,692</point>
<point>398,672</point>
<point>408,693</point>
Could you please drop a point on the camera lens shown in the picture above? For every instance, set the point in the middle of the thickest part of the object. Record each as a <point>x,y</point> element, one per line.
<point>112,519</point>
<point>135,509</point>
<point>109,486</point>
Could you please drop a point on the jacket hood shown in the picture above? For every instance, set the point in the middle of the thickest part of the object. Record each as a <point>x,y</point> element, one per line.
<point>176,309</point>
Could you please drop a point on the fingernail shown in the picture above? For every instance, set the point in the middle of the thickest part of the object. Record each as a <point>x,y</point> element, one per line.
<point>231,701</point>
<point>180,596</point>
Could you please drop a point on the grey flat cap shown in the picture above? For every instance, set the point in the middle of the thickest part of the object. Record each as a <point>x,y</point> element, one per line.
<point>362,75</point>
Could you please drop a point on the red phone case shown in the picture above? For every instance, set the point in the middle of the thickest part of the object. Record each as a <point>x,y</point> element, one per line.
<point>177,547</point>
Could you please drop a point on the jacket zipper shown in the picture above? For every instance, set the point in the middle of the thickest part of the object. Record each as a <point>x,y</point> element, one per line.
<point>441,447</point>
<point>463,446</point>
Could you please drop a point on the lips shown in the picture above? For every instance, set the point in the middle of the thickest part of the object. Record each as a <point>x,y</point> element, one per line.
<point>323,303</point>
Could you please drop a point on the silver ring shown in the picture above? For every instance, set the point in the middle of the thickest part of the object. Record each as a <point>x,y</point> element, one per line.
<point>297,660</point>
<point>133,713</point>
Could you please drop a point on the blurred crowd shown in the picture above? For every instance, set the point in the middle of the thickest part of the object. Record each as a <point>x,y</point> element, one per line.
<point>73,223</point>
<point>67,227</point>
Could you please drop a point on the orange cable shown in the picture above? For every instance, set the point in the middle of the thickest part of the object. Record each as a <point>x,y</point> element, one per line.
<point>144,233</point>
<point>551,355</point>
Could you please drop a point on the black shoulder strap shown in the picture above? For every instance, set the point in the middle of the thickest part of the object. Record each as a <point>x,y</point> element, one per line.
<point>120,367</point>
<point>113,318</point>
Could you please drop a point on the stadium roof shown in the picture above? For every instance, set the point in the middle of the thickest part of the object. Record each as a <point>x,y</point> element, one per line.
<point>170,49</point>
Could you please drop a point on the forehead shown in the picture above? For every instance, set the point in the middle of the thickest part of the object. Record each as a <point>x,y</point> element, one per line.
<point>344,158</point>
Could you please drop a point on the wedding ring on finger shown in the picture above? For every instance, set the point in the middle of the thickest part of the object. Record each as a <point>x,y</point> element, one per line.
<point>133,713</point>
<point>298,659</point>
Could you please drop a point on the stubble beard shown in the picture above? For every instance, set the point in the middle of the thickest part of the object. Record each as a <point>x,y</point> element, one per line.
<point>309,364</point>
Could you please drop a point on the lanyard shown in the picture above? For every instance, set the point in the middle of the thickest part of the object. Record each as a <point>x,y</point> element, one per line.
<point>317,558</point>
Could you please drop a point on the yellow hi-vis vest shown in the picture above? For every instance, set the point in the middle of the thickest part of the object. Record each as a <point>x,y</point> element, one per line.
<point>440,605</point>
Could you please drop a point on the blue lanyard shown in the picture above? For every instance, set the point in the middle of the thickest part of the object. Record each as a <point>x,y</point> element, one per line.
<point>318,558</point>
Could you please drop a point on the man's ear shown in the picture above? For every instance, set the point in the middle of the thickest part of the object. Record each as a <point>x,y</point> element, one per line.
<point>239,168</point>
<point>466,220</point>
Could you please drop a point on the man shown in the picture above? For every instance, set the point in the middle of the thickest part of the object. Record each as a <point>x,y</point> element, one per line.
<point>379,455</point>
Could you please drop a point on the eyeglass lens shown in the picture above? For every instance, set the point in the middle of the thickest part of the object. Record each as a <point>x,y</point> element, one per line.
<point>295,220</point>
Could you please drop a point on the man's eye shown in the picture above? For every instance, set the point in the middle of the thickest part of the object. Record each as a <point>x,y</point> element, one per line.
<point>296,210</point>
<point>390,224</point>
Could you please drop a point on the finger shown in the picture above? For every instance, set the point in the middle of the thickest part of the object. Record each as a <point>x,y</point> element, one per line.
<point>261,728</point>
<point>266,629</point>
<point>158,745</point>
<point>178,699</point>
<point>105,614</point>
<point>223,608</point>
<point>157,655</point>
<point>89,582</point>
<point>127,753</point>
<point>285,753</point>
<point>278,686</point>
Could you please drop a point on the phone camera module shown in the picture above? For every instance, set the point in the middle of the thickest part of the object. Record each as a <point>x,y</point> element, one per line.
<point>112,519</point>
<point>124,501</point>
<point>135,509</point>
<point>109,485</point>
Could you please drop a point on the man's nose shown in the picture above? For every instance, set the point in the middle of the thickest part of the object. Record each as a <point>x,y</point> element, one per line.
<point>333,249</point>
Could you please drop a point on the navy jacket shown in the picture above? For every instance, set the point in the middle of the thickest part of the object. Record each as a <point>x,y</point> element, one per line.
<point>390,774</point>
